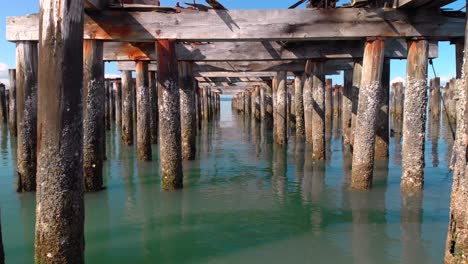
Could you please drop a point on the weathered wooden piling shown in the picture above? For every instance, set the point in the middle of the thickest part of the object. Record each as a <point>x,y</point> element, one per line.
<point>247,103</point>
<point>382,135</point>
<point>12,104</point>
<point>399,94</point>
<point>299,104</point>
<point>357,75</point>
<point>274,90</point>
<point>318,111</point>
<point>107,117</point>
<point>328,100</point>
<point>198,96</point>
<point>118,103</point>
<point>281,109</point>
<point>59,199</point>
<point>187,110</point>
<point>169,116</point>
<point>26,96</point>
<point>308,102</point>
<point>262,104</point>
<point>347,106</point>
<point>154,115</point>
<point>255,102</point>
<point>143,108</point>
<point>93,114</point>
<point>435,98</point>
<point>336,101</point>
<point>370,93</point>
<point>127,108</point>
<point>3,104</point>
<point>206,115</point>
<point>457,238</point>
<point>112,101</point>
<point>414,122</point>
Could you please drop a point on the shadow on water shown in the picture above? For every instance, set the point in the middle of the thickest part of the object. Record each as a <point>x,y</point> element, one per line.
<point>248,200</point>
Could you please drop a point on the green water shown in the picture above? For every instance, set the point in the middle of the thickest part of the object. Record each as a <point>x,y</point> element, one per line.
<point>248,201</point>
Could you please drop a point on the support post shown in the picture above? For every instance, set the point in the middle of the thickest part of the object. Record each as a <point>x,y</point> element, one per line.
<point>107,116</point>
<point>299,104</point>
<point>282,112</point>
<point>3,104</point>
<point>206,105</point>
<point>308,102</point>
<point>12,105</point>
<point>187,110</point>
<point>26,95</point>
<point>435,98</point>
<point>118,104</point>
<point>143,108</point>
<point>414,120</point>
<point>262,104</point>
<point>93,114</point>
<point>59,199</point>
<point>318,111</point>
<point>127,108</point>
<point>370,93</point>
<point>328,100</point>
<point>347,106</point>
<point>357,74</point>
<point>154,116</point>
<point>169,116</point>
<point>382,139</point>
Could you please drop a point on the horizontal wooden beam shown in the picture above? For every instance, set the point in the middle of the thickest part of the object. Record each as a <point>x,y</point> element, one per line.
<point>255,25</point>
<point>331,66</point>
<point>256,51</point>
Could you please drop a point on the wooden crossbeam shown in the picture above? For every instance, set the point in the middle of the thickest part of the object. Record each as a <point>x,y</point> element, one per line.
<point>255,25</point>
<point>255,51</point>
<point>247,66</point>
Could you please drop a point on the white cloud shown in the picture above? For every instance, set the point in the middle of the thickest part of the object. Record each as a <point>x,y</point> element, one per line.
<point>112,76</point>
<point>4,74</point>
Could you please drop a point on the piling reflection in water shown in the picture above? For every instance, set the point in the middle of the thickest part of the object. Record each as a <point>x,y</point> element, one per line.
<point>248,200</point>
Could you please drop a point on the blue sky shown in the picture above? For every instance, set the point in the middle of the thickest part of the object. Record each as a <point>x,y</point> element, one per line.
<point>444,65</point>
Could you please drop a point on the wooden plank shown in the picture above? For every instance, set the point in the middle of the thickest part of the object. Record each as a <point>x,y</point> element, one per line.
<point>255,51</point>
<point>247,66</point>
<point>255,25</point>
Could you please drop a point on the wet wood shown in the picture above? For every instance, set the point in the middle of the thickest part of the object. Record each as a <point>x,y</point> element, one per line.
<point>414,120</point>
<point>328,100</point>
<point>318,111</point>
<point>12,104</point>
<point>456,250</point>
<point>154,116</point>
<point>382,133</point>
<point>370,92</point>
<point>127,108</point>
<point>435,98</point>
<point>336,101</point>
<point>262,104</point>
<point>399,95</point>
<point>299,104</point>
<point>308,106</point>
<point>26,96</point>
<point>347,106</point>
<point>3,105</point>
<point>205,104</point>
<point>187,110</point>
<point>281,109</point>
<point>107,116</point>
<point>93,115</point>
<point>143,108</point>
<point>59,198</point>
<point>118,103</point>
<point>254,25</point>
<point>169,116</point>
